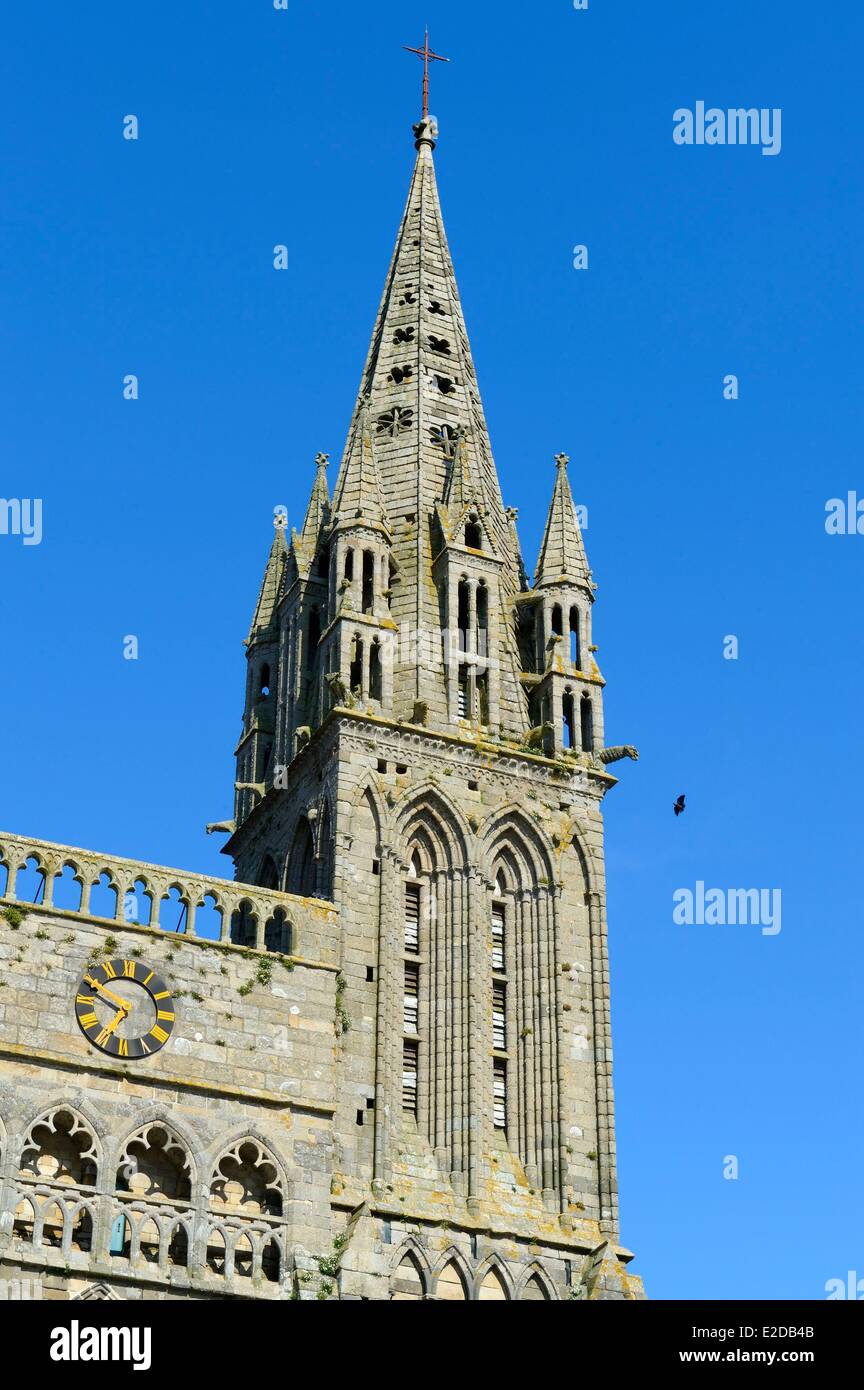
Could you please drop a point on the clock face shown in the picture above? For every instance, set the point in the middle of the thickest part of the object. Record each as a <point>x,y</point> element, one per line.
<point>125,1008</point>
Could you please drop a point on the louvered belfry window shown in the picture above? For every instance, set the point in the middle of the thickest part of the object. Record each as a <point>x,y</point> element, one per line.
<point>499,1016</point>
<point>499,1094</point>
<point>410,1015</point>
<point>412,917</point>
<point>409,1078</point>
<point>498,937</point>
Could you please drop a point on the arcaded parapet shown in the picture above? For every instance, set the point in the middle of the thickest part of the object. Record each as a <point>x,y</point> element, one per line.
<point>204,1167</point>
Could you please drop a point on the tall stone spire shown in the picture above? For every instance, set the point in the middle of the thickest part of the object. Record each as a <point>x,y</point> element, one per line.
<point>271,586</point>
<point>420,397</point>
<point>562,553</point>
<point>305,542</point>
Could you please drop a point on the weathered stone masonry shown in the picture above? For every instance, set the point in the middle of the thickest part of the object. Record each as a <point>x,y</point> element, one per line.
<point>248,1078</point>
<point>390,1075</point>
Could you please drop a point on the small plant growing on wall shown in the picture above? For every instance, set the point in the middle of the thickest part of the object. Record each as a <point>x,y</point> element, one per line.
<point>342,1020</point>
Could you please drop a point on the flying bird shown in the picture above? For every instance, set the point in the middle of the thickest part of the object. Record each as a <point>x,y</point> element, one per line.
<point>679,805</point>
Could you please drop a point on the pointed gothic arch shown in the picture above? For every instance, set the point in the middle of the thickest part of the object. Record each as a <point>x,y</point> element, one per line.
<point>492,1282</point>
<point>81,1225</point>
<point>24,1219</point>
<point>367,794</point>
<point>507,872</point>
<point>301,869</point>
<point>427,810</point>
<point>592,871</point>
<point>155,1163</point>
<point>535,1285</point>
<point>423,853</point>
<point>61,1147</point>
<point>51,1224</point>
<point>452,1279</point>
<point>411,1275</point>
<point>509,835</point>
<point>179,1243</point>
<point>248,1180</point>
<point>522,1083</point>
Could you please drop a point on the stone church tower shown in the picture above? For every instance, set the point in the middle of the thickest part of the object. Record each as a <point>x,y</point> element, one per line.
<point>419,1105</point>
<point>423,746</point>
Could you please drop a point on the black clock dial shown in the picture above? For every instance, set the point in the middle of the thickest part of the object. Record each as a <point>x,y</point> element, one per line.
<point>124,1008</point>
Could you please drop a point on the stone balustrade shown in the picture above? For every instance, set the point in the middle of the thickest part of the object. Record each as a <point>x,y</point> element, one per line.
<point>236,913</point>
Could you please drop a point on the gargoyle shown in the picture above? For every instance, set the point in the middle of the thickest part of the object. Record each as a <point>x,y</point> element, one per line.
<point>339,690</point>
<point>221,827</point>
<point>536,737</point>
<point>621,750</point>
<point>614,755</point>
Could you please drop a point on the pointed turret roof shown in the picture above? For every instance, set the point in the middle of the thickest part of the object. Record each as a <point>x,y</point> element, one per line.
<point>464,497</point>
<point>562,554</point>
<point>358,497</point>
<point>419,395</point>
<point>464,488</point>
<point>271,585</point>
<point>305,542</point>
<point>512,517</point>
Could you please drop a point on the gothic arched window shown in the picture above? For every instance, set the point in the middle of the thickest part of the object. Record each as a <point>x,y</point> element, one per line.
<point>482,620</point>
<point>569,729</point>
<point>575,640</point>
<point>60,1148</point>
<point>246,1182</point>
<point>355,672</point>
<point>411,991</point>
<point>375,672</point>
<point>155,1165</point>
<point>301,862</point>
<point>464,610</point>
<point>268,874</point>
<point>368,595</point>
<point>587,724</point>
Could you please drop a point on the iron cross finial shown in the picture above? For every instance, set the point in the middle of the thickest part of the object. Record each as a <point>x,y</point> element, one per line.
<point>426,54</point>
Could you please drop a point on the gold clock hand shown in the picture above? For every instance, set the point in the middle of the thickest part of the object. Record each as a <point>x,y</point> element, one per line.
<point>108,995</point>
<point>109,1027</point>
<point>120,1014</point>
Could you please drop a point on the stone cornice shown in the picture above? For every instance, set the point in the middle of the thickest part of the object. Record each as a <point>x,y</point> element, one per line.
<point>42,1057</point>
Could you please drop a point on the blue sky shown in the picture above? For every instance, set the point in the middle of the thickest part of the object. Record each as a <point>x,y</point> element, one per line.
<point>706,516</point>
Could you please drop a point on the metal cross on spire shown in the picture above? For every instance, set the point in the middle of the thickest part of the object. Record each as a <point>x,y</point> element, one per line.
<point>426,54</point>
